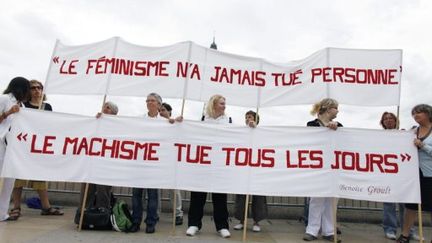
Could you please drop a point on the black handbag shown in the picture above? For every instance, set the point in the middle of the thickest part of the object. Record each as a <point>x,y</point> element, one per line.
<point>95,218</point>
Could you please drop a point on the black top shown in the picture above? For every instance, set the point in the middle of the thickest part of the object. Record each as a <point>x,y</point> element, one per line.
<point>317,123</point>
<point>45,106</point>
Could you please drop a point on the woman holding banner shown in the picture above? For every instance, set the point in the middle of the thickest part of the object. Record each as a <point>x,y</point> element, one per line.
<point>215,113</point>
<point>422,114</point>
<point>10,102</point>
<point>390,219</point>
<point>321,208</point>
<point>36,98</point>
<point>259,203</point>
<point>99,196</point>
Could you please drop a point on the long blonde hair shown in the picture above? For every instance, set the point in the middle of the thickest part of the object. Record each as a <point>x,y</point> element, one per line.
<point>211,104</point>
<point>322,106</point>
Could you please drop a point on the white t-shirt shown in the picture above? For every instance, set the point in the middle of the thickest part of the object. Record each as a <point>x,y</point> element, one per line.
<point>219,120</point>
<point>158,117</point>
<point>6,102</point>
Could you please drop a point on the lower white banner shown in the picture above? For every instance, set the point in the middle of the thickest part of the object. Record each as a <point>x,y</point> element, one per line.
<point>359,164</point>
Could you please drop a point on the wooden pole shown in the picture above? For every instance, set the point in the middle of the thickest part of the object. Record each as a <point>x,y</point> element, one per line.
<point>335,202</point>
<point>245,217</point>
<point>1,184</point>
<point>247,198</point>
<point>420,222</point>
<point>86,188</point>
<point>83,206</point>
<point>181,114</point>
<point>174,211</point>
<point>397,120</point>
<point>174,190</point>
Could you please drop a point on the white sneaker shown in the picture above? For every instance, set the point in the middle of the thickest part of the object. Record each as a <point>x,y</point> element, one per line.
<point>416,237</point>
<point>390,235</point>
<point>256,228</point>
<point>192,231</point>
<point>238,227</point>
<point>224,233</point>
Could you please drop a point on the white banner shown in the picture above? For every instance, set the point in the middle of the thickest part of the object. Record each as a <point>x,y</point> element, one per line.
<point>116,67</point>
<point>278,161</point>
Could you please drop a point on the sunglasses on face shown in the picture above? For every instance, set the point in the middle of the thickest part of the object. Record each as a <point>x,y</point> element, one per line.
<point>36,87</point>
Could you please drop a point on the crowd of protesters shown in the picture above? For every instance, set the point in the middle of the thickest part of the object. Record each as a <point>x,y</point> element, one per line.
<point>320,211</point>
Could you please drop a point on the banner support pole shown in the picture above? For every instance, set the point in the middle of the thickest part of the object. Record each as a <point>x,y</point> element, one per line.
<point>181,114</point>
<point>420,222</point>
<point>86,189</point>
<point>247,198</point>
<point>83,206</point>
<point>335,202</point>
<point>245,217</point>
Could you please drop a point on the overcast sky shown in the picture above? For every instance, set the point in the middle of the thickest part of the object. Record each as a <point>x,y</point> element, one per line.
<point>279,31</point>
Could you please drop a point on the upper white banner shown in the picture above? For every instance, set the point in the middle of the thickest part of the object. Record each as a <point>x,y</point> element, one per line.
<point>362,164</point>
<point>186,70</point>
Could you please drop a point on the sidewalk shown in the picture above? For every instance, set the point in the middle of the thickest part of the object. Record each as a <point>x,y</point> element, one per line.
<point>31,227</point>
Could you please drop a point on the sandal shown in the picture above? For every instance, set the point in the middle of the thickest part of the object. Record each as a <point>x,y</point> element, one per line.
<point>14,214</point>
<point>51,211</point>
<point>403,239</point>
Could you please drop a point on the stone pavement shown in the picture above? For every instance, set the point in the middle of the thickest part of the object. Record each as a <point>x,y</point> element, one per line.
<point>31,227</point>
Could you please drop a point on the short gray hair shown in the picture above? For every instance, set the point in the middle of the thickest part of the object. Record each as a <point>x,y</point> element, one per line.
<point>112,106</point>
<point>157,97</point>
<point>423,108</point>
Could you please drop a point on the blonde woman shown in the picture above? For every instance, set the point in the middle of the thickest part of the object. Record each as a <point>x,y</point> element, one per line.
<point>321,208</point>
<point>215,113</point>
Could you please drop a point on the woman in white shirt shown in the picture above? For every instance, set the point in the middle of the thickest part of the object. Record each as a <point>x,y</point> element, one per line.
<point>215,113</point>
<point>17,92</point>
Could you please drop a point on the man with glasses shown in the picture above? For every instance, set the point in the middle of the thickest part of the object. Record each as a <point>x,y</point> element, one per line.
<point>154,101</point>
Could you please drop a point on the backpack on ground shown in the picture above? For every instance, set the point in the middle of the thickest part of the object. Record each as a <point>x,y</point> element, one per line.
<point>121,219</point>
<point>96,217</point>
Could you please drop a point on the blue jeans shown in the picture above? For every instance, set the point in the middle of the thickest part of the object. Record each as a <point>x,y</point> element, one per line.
<point>306,210</point>
<point>390,219</point>
<point>137,206</point>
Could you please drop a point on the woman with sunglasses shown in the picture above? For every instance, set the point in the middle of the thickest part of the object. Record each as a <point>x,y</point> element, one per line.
<point>36,99</point>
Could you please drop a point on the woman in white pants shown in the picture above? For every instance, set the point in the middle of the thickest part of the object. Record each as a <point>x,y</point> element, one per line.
<point>321,208</point>
<point>17,91</point>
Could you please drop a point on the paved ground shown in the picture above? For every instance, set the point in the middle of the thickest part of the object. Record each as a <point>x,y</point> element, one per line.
<point>33,228</point>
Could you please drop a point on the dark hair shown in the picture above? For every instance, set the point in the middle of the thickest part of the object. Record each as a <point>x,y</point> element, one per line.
<point>423,108</point>
<point>385,114</point>
<point>19,87</point>
<point>254,114</point>
<point>167,107</point>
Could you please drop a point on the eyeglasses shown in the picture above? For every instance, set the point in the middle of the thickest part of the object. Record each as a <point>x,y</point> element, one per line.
<point>36,87</point>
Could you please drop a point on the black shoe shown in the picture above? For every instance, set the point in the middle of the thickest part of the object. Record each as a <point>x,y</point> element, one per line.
<point>179,220</point>
<point>150,229</point>
<point>309,237</point>
<point>403,239</point>
<point>331,238</point>
<point>338,231</point>
<point>134,228</point>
